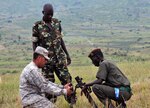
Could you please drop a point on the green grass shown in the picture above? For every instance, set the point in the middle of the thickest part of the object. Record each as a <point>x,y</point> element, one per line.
<point>123,39</point>
<point>137,72</point>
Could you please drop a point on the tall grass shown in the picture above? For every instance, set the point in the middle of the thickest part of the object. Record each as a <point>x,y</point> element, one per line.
<point>137,72</point>
<point>9,92</point>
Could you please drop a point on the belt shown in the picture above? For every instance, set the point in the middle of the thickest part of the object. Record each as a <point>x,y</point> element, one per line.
<point>122,88</point>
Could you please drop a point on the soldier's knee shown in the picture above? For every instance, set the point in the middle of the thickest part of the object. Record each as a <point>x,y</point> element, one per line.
<point>95,87</point>
<point>66,78</point>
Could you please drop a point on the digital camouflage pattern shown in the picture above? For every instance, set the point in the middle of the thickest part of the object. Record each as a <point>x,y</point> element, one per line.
<point>50,38</point>
<point>33,87</point>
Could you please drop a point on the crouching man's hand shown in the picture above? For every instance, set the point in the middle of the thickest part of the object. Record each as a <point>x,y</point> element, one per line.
<point>68,88</point>
<point>83,89</point>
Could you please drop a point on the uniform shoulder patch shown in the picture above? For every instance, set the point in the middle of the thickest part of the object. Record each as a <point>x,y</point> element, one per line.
<point>38,22</point>
<point>55,20</point>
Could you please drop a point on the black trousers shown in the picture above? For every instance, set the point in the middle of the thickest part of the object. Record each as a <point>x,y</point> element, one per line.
<point>104,92</point>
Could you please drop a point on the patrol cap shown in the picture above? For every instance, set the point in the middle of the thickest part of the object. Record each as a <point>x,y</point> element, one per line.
<point>96,51</point>
<point>42,51</point>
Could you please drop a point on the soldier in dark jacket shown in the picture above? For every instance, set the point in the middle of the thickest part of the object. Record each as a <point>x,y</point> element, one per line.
<point>111,83</point>
<point>47,33</point>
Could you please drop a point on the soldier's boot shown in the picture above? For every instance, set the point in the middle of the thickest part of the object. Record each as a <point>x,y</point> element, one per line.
<point>71,99</point>
<point>121,105</point>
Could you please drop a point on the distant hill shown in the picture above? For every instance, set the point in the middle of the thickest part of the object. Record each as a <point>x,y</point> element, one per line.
<point>120,27</point>
<point>97,11</point>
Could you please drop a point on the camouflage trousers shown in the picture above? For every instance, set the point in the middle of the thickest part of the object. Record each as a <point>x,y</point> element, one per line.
<point>62,73</point>
<point>44,103</point>
<point>60,70</point>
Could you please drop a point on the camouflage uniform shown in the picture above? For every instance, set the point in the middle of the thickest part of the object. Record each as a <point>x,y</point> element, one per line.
<point>50,38</point>
<point>33,87</point>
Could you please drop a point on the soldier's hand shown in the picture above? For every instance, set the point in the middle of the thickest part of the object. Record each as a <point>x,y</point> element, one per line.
<point>69,89</point>
<point>83,89</point>
<point>68,60</point>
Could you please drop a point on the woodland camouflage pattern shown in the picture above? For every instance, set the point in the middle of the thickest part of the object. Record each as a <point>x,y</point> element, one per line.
<point>50,38</point>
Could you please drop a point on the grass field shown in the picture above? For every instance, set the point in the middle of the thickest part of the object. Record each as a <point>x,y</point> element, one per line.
<point>137,72</point>
<point>130,52</point>
<point>120,28</point>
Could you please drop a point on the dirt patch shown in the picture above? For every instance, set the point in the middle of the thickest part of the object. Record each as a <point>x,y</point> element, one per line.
<point>2,47</point>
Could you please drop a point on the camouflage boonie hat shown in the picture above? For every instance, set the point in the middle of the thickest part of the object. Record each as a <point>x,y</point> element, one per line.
<point>94,52</point>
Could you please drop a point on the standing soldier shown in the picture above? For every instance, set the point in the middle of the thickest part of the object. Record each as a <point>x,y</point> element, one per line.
<point>47,33</point>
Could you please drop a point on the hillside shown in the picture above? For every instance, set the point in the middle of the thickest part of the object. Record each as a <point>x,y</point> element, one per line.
<point>120,28</point>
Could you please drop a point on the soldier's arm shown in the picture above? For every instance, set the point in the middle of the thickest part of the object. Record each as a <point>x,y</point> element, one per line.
<point>65,50</point>
<point>64,47</point>
<point>97,81</point>
<point>35,36</point>
<point>35,78</point>
<point>62,42</point>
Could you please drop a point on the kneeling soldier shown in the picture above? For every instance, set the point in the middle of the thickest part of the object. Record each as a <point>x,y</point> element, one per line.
<point>111,83</point>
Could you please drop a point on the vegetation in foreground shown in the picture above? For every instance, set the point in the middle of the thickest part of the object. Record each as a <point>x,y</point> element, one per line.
<point>139,77</point>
